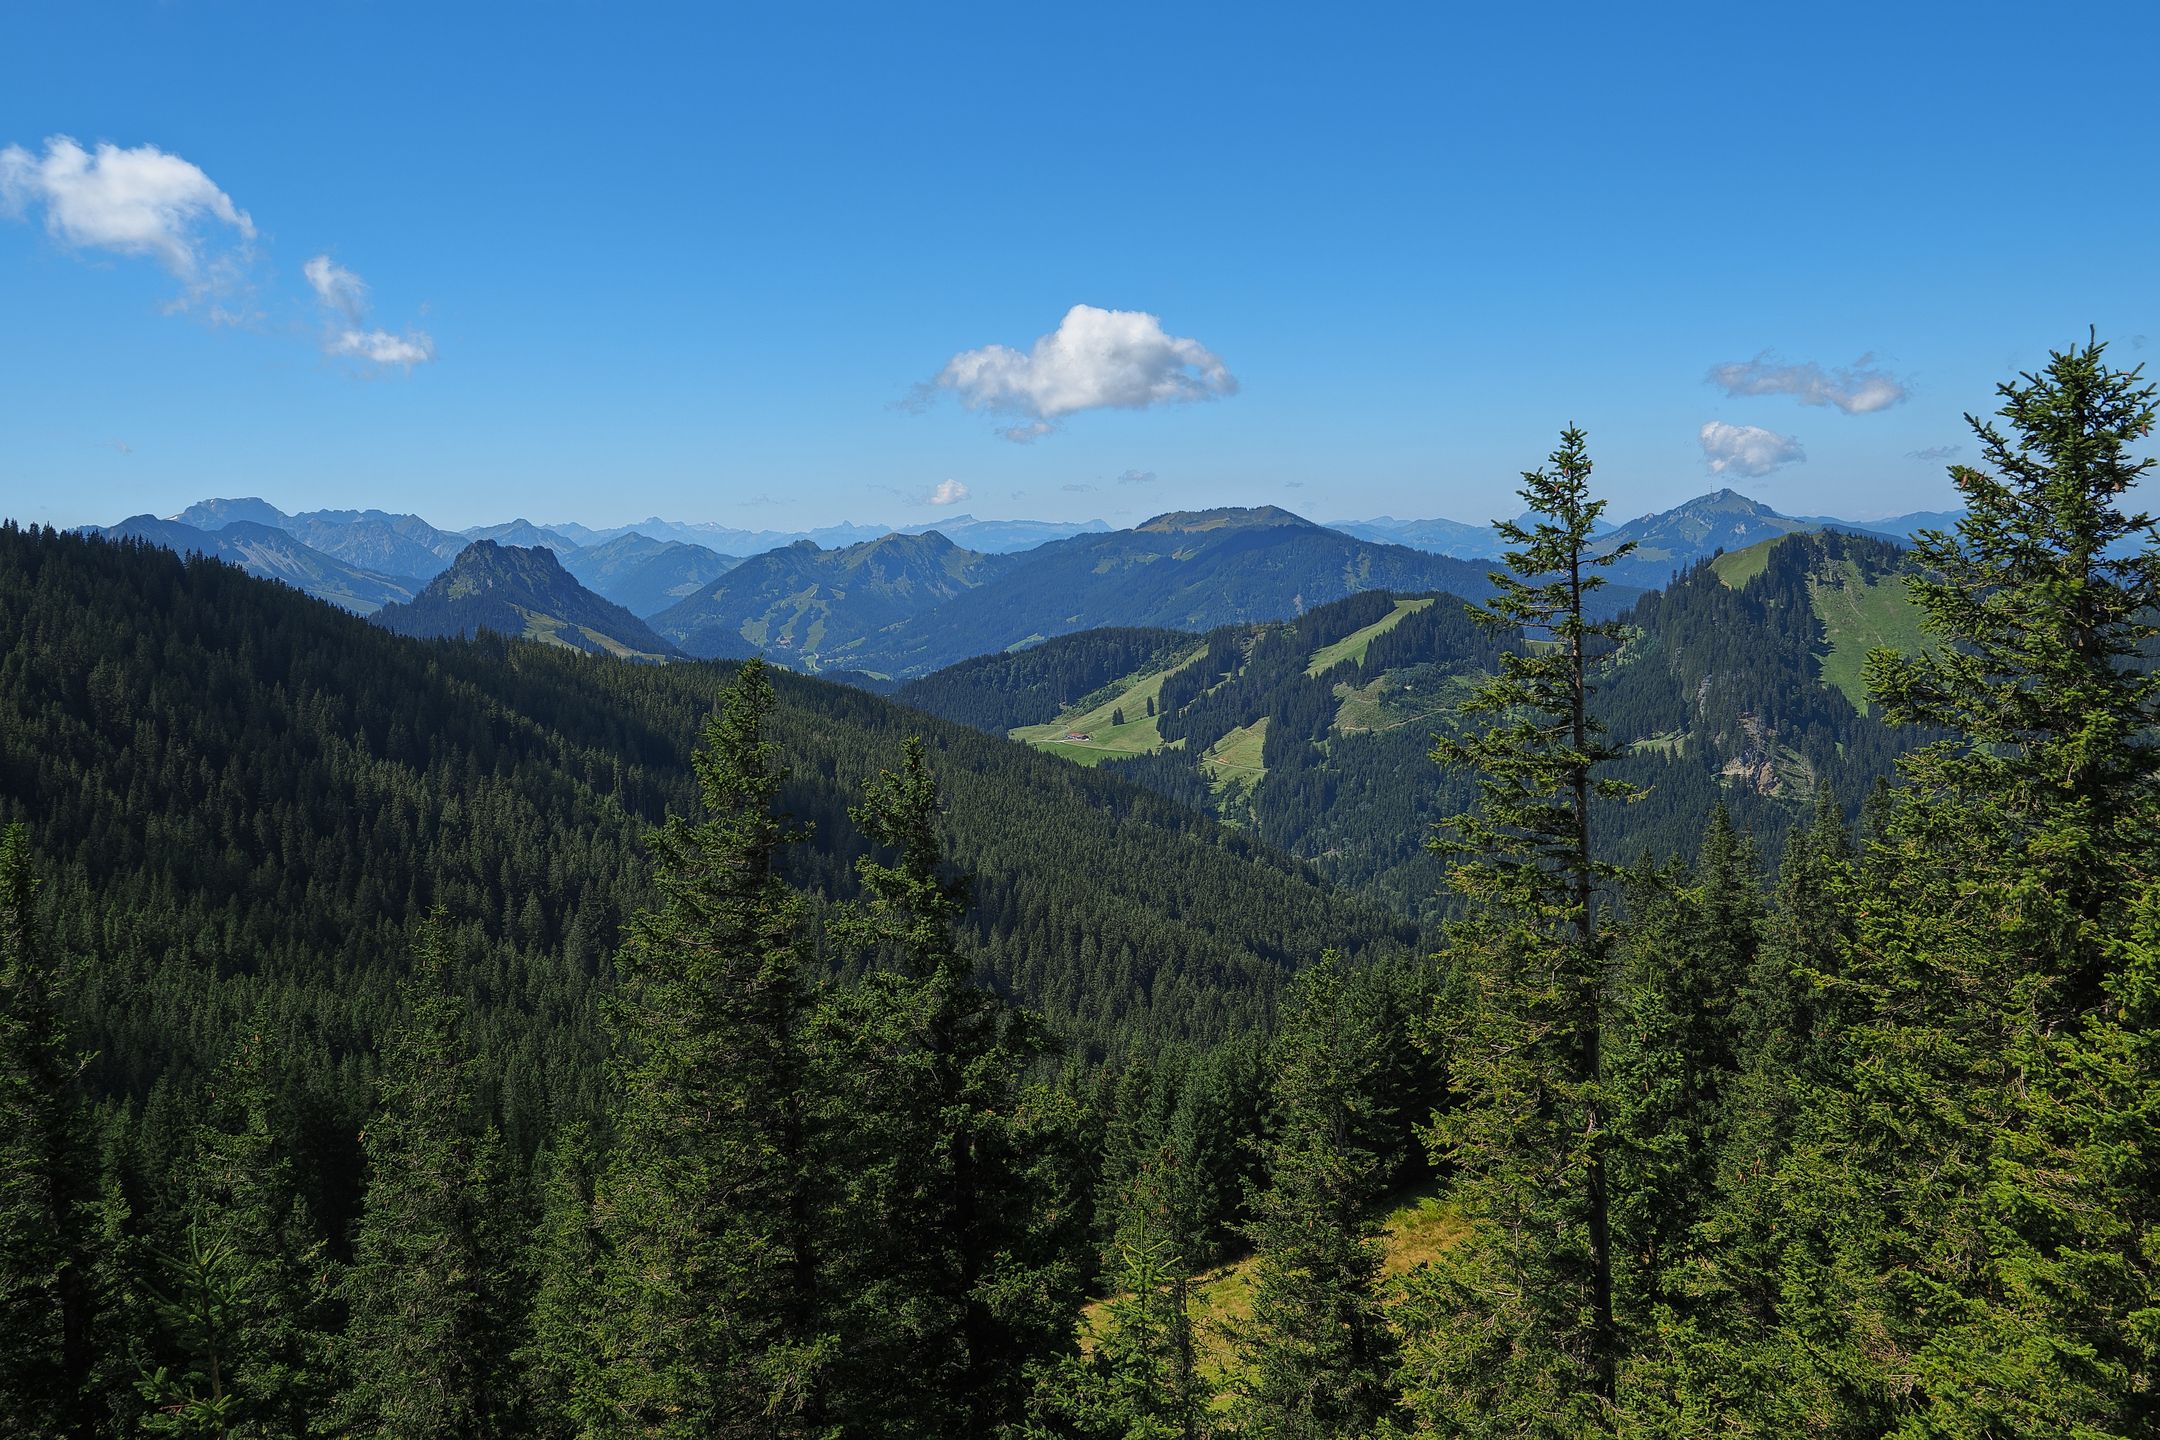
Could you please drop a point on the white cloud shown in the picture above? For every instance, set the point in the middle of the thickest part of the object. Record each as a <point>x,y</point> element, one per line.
<point>1137,477</point>
<point>1746,449</point>
<point>1095,360</point>
<point>380,347</point>
<point>139,201</point>
<point>1935,452</point>
<point>343,296</point>
<point>948,492</point>
<point>1857,389</point>
<point>336,287</point>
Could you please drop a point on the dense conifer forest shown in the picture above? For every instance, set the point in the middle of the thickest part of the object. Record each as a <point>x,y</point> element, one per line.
<point>472,1038</point>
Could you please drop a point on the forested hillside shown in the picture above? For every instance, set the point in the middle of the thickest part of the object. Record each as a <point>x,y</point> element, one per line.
<point>1732,686</point>
<point>304,787</point>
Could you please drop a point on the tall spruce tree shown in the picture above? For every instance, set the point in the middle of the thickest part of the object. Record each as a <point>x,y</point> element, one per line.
<point>246,1282</point>
<point>2019,1301</point>
<point>2043,606</point>
<point>45,1187</point>
<point>1516,1332</point>
<point>1317,1360</point>
<point>563,1265</point>
<point>425,1348</point>
<point>1690,942</point>
<point>707,1318</point>
<point>960,1279</point>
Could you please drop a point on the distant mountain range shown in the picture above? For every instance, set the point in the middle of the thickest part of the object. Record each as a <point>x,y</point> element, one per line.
<point>522,592</point>
<point>1665,542</point>
<point>274,554</point>
<point>645,576</point>
<point>1188,570</point>
<point>989,537</point>
<point>890,605</point>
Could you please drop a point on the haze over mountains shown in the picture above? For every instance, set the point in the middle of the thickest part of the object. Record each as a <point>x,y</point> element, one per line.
<point>523,592</point>
<point>895,604</point>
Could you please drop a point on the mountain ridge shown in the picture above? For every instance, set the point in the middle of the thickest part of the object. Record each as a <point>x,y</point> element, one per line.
<point>522,592</point>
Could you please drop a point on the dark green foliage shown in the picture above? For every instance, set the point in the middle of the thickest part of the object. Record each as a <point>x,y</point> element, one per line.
<point>1142,1381</point>
<point>1318,1356</point>
<point>563,1264</point>
<point>2045,621</point>
<point>2026,1297</point>
<point>248,1255</point>
<point>1688,948</point>
<point>201,1310</point>
<point>968,1276</point>
<point>430,1313</point>
<point>243,798</point>
<point>706,1318</point>
<point>45,1290</point>
<point>1521,1323</point>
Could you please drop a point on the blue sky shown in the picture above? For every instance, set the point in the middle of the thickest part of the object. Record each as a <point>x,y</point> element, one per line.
<point>621,261</point>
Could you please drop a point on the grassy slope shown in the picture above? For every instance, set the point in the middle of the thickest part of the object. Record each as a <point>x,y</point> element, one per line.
<point>548,629</point>
<point>1091,717</point>
<point>1737,567</point>
<point>1354,645</point>
<point>1417,1228</point>
<point>1233,762</point>
<point>1858,617</point>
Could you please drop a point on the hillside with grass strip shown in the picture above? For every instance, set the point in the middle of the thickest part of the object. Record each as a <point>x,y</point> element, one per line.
<point>1860,612</point>
<point>1352,647</point>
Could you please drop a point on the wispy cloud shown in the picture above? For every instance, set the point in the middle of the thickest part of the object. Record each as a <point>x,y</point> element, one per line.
<point>1747,449</point>
<point>343,297</point>
<point>1857,389</point>
<point>1936,452</point>
<point>1137,477</point>
<point>380,347</point>
<point>336,287</point>
<point>1096,359</point>
<point>1076,487</point>
<point>139,201</point>
<point>948,492</point>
